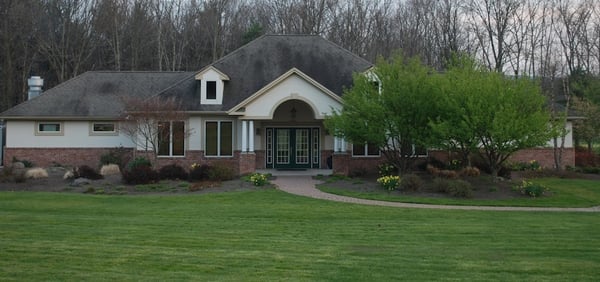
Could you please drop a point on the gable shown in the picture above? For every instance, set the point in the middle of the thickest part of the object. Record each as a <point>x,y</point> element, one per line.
<point>294,85</point>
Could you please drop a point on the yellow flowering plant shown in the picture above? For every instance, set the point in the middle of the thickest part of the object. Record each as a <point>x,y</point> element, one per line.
<point>530,189</point>
<point>259,179</point>
<point>390,182</point>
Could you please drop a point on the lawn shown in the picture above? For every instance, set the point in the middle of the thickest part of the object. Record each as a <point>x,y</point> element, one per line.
<point>269,235</point>
<point>563,193</point>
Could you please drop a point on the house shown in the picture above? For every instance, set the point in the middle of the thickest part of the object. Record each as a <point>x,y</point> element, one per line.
<point>260,107</point>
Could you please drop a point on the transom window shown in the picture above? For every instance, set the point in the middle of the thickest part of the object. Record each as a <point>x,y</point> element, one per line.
<point>48,128</point>
<point>219,139</point>
<point>365,150</point>
<point>211,90</point>
<point>171,138</point>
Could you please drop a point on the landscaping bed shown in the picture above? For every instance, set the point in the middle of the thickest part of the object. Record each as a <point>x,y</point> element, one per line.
<point>113,184</point>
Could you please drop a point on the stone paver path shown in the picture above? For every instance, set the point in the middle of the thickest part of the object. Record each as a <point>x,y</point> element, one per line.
<point>305,186</point>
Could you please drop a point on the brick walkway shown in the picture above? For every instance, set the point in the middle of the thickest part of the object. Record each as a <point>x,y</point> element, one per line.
<point>305,186</point>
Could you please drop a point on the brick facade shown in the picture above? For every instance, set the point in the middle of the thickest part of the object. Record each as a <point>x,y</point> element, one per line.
<point>247,163</point>
<point>544,156</point>
<point>342,163</point>
<point>45,157</point>
<point>346,164</point>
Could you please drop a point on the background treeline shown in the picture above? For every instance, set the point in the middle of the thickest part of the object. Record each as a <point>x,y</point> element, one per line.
<point>59,39</point>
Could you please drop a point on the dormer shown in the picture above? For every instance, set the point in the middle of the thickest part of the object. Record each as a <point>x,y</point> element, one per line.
<point>211,86</point>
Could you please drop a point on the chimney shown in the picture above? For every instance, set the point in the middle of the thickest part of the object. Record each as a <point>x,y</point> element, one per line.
<point>35,87</point>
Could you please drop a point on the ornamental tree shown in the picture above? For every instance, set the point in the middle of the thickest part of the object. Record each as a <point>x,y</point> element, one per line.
<point>143,120</point>
<point>389,107</point>
<point>503,114</point>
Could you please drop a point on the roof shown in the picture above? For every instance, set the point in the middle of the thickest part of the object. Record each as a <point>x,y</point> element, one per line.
<point>99,94</point>
<point>95,94</point>
<point>255,65</point>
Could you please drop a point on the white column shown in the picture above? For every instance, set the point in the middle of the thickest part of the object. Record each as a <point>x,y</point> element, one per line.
<point>244,136</point>
<point>342,145</point>
<point>336,144</point>
<point>251,136</point>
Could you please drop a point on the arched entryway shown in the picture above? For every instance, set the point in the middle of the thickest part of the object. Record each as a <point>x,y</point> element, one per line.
<point>293,137</point>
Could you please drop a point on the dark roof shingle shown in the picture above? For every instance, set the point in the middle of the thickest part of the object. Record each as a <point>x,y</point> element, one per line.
<point>99,94</point>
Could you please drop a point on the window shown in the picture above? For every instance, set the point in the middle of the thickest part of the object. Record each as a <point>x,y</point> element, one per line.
<point>219,138</point>
<point>171,138</point>
<point>365,150</point>
<point>103,128</point>
<point>48,128</point>
<point>211,90</point>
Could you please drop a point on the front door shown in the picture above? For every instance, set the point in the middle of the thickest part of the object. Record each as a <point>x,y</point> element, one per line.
<point>292,148</point>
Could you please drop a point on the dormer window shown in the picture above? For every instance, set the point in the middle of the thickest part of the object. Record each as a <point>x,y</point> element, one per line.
<point>211,90</point>
<point>212,85</point>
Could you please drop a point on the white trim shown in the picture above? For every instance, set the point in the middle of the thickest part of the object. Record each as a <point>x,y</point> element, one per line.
<point>244,136</point>
<point>93,132</point>
<point>251,136</point>
<point>170,155</point>
<point>201,73</point>
<point>289,73</point>
<point>366,154</point>
<point>218,155</point>
<point>60,132</point>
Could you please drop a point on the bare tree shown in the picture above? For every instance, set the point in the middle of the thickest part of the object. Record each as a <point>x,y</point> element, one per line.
<point>143,118</point>
<point>66,40</point>
<point>490,21</point>
<point>573,19</point>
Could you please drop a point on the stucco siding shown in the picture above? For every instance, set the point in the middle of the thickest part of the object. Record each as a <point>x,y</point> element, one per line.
<point>75,134</point>
<point>291,88</point>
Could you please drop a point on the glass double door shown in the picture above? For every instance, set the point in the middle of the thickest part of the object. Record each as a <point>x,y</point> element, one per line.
<point>293,148</point>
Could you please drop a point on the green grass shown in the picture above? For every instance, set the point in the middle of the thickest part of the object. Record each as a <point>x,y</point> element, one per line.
<point>565,193</point>
<point>269,235</point>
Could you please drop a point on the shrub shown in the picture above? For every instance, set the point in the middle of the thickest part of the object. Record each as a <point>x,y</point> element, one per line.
<point>592,170</point>
<point>69,174</point>
<point>440,185</point>
<point>523,166</point>
<point>220,172</point>
<point>88,172</point>
<point>450,174</point>
<point>173,172</point>
<point>530,188</point>
<point>259,179</point>
<point>454,164</point>
<point>433,170</point>
<point>435,163</point>
<point>119,156</point>
<point>26,163</point>
<point>460,188</point>
<point>110,169</point>
<point>36,173</point>
<point>410,182</point>
<point>387,169</point>
<point>7,171</point>
<point>480,163</point>
<point>585,158</point>
<point>389,183</point>
<point>139,161</point>
<point>470,171</point>
<point>198,172</point>
<point>140,175</point>
<point>19,177</point>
